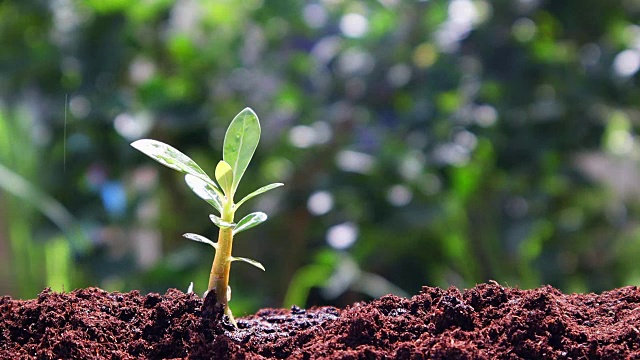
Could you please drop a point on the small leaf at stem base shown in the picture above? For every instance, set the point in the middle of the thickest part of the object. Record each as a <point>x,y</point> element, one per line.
<point>200,238</point>
<point>258,192</point>
<point>221,223</point>
<point>248,261</point>
<point>249,221</point>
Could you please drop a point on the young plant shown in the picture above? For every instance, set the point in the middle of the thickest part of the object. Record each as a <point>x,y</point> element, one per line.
<point>240,143</point>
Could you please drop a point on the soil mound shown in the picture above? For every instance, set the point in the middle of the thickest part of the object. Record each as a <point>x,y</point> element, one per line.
<point>486,322</point>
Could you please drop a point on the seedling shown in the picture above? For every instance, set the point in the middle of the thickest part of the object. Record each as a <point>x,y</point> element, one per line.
<point>240,143</point>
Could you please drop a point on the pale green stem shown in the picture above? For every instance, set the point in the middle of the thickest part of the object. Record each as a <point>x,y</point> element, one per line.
<point>219,277</point>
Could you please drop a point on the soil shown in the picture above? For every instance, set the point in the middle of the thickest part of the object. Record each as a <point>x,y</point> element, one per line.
<point>486,322</point>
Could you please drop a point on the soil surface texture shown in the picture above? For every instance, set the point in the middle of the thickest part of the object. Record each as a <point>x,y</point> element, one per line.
<point>486,322</point>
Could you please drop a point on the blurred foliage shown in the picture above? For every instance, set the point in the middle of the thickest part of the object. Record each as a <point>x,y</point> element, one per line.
<point>421,143</point>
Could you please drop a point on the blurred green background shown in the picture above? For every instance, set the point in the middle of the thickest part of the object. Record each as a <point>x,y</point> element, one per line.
<point>421,143</point>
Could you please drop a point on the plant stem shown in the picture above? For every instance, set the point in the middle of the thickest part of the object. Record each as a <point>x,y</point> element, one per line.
<point>219,277</point>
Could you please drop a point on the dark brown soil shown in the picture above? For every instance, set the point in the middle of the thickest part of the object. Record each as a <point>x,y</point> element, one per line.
<point>486,322</point>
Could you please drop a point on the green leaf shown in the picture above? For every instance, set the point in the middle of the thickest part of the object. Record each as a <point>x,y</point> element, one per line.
<point>171,158</point>
<point>258,192</point>
<point>221,223</point>
<point>200,238</point>
<point>249,261</point>
<point>240,142</point>
<point>205,191</point>
<point>224,175</point>
<point>249,221</point>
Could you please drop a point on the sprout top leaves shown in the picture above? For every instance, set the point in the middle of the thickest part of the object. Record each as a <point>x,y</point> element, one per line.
<point>224,175</point>
<point>240,142</point>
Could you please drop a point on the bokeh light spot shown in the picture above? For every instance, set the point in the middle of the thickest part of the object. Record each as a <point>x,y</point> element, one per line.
<point>627,63</point>
<point>79,106</point>
<point>315,15</point>
<point>485,115</point>
<point>141,70</point>
<point>399,195</point>
<point>524,30</point>
<point>462,12</point>
<point>302,136</point>
<point>399,75</point>
<point>320,203</point>
<point>342,236</point>
<point>132,127</point>
<point>355,62</point>
<point>425,55</point>
<point>354,25</point>
<point>353,161</point>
